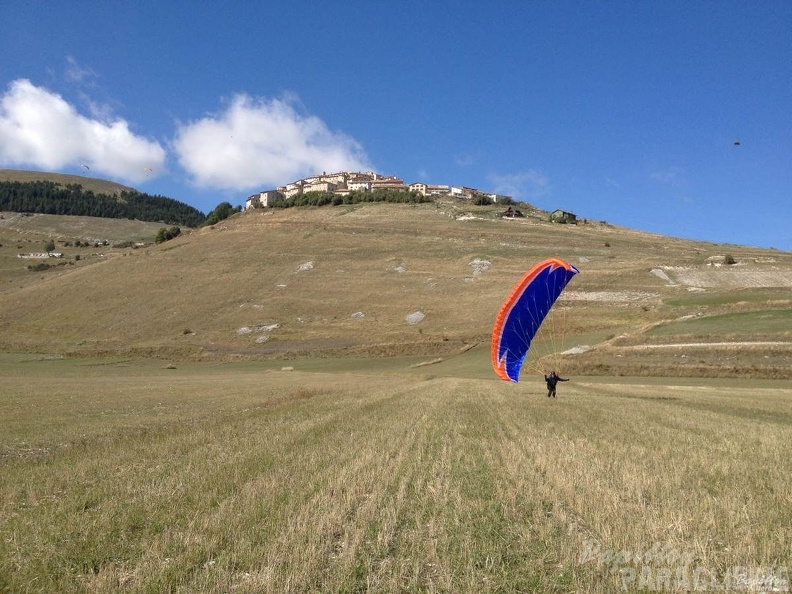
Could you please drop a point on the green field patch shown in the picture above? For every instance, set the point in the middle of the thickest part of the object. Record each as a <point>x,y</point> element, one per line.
<point>728,298</point>
<point>775,321</point>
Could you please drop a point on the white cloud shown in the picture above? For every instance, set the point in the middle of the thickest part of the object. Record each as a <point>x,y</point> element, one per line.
<point>77,73</point>
<point>85,79</point>
<point>465,160</point>
<point>258,143</point>
<point>673,176</point>
<point>38,128</point>
<point>529,184</point>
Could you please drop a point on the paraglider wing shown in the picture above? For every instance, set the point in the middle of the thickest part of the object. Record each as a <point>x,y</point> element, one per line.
<point>522,313</point>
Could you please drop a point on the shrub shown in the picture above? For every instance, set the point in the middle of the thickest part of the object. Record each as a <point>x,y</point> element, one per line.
<point>166,234</point>
<point>38,267</point>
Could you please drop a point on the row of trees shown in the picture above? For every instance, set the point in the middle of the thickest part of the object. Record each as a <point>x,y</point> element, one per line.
<point>46,197</point>
<point>354,197</point>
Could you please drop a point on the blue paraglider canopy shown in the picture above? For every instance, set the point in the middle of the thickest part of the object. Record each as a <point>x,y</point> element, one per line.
<point>522,313</point>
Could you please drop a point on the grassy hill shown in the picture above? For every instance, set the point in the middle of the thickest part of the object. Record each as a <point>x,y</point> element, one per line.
<point>24,233</point>
<point>343,281</point>
<point>95,185</point>
<point>59,194</point>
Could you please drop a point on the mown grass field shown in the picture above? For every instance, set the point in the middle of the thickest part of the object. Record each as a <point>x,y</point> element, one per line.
<point>130,475</point>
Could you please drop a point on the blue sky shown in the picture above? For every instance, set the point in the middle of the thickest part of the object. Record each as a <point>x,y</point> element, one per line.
<point>626,112</point>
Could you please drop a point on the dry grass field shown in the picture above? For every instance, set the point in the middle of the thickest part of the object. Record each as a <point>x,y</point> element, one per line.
<point>302,401</point>
<point>128,475</point>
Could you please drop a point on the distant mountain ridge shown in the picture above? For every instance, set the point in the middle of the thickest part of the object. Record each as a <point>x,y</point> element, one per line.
<point>65,194</point>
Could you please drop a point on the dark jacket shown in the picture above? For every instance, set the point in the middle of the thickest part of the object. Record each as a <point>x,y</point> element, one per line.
<point>553,379</point>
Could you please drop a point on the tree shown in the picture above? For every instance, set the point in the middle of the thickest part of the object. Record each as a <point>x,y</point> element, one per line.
<point>166,234</point>
<point>49,245</point>
<point>221,212</point>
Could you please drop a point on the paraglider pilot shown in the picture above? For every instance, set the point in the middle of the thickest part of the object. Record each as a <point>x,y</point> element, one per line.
<point>552,380</point>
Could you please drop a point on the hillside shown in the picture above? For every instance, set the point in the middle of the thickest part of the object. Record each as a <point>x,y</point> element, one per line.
<point>60,194</point>
<point>95,185</point>
<point>82,241</point>
<point>349,280</point>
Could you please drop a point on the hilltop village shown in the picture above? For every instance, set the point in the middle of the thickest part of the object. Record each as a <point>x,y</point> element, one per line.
<point>344,182</point>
